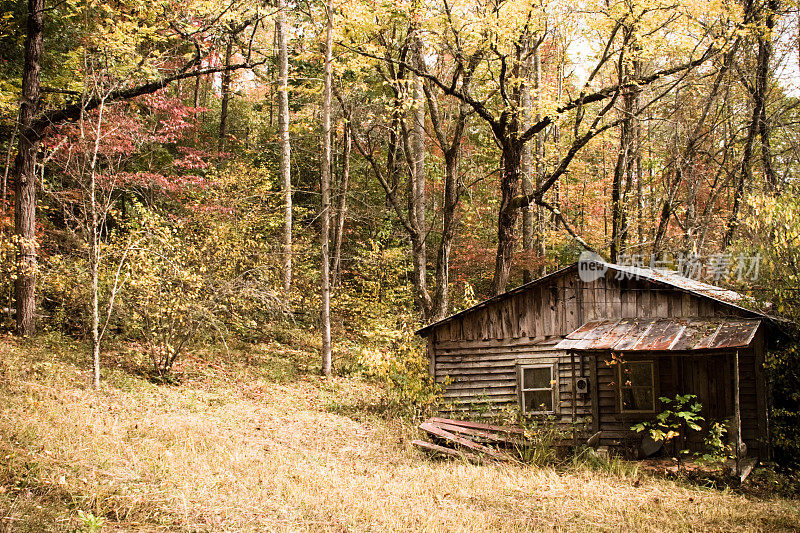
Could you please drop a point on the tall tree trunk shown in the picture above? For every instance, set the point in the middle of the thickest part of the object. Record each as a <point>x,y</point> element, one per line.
<point>625,167</point>
<point>94,254</point>
<point>765,55</point>
<point>527,166</point>
<point>226,95</point>
<point>341,211</point>
<point>539,158</point>
<point>283,128</point>
<point>25,174</point>
<point>507,219</point>
<point>532,167</point>
<point>418,200</point>
<point>7,166</point>
<point>451,149</point>
<point>441,300</point>
<point>325,178</point>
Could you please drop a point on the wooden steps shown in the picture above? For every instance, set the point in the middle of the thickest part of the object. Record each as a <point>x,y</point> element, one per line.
<point>474,441</point>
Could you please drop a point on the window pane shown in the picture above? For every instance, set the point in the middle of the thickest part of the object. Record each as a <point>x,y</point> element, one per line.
<point>534,401</point>
<point>637,374</point>
<point>637,399</point>
<point>536,378</point>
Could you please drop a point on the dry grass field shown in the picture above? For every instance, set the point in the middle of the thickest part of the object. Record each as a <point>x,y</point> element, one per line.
<point>265,446</point>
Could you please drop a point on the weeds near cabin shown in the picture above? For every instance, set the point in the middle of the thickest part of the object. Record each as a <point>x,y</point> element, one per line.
<point>585,457</point>
<point>717,449</point>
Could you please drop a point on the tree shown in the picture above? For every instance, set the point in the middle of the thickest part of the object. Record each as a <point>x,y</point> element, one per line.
<point>325,189</point>
<point>341,210</point>
<point>25,173</point>
<point>283,134</point>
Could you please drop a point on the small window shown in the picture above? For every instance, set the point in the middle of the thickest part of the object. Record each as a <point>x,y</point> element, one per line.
<point>637,387</point>
<point>536,389</point>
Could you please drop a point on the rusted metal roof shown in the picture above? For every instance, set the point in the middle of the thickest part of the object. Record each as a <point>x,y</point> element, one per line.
<point>662,335</point>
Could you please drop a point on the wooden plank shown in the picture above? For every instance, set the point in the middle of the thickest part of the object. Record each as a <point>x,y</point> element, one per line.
<point>475,358</point>
<point>436,431</point>
<point>595,394</point>
<point>479,385</point>
<point>471,402</point>
<point>489,435</point>
<point>661,304</point>
<point>539,312</point>
<point>467,372</point>
<point>456,366</point>
<point>643,309</point>
<point>571,307</point>
<point>431,357</point>
<point>489,392</point>
<point>425,445</point>
<point>478,397</point>
<point>689,305</point>
<point>481,378</point>
<point>477,425</point>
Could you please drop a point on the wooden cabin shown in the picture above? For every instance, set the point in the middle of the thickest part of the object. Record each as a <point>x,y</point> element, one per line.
<point>601,352</point>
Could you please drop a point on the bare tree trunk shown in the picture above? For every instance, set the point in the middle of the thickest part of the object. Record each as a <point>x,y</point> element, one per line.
<point>25,174</point>
<point>283,127</point>
<point>418,187</point>
<point>226,94</point>
<point>196,100</point>
<point>539,154</point>
<point>765,55</point>
<point>94,254</point>
<point>325,176</point>
<point>441,300</point>
<point>341,216</point>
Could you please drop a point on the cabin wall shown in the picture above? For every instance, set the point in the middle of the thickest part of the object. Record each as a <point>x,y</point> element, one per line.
<point>476,355</point>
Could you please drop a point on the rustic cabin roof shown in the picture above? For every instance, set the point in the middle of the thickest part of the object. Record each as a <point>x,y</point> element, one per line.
<point>674,279</point>
<point>662,335</point>
<point>662,277</point>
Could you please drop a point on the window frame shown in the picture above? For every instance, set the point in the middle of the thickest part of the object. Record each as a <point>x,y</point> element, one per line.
<point>653,386</point>
<point>553,388</point>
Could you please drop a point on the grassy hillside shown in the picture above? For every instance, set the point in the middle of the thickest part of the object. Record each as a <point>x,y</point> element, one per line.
<point>264,445</point>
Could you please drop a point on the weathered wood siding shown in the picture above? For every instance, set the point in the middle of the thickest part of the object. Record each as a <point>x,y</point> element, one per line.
<point>476,355</point>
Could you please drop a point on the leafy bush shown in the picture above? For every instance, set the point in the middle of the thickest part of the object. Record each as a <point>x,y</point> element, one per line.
<point>193,278</point>
<point>674,420</point>
<point>396,359</point>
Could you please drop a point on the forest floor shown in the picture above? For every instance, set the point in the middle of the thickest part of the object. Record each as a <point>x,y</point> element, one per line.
<point>253,442</point>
